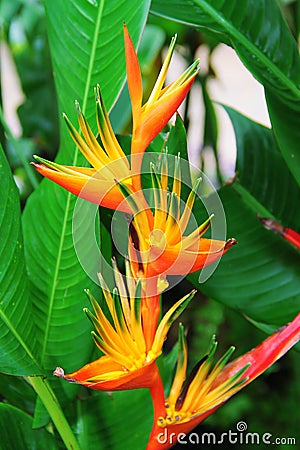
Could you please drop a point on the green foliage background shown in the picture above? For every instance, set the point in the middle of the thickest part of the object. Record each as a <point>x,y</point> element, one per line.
<point>61,50</point>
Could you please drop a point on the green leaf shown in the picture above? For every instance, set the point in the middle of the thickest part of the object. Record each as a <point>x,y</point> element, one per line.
<point>17,432</point>
<point>261,170</point>
<point>17,331</point>
<point>116,421</point>
<point>17,392</point>
<point>265,45</point>
<point>176,139</point>
<point>285,119</point>
<point>260,276</point>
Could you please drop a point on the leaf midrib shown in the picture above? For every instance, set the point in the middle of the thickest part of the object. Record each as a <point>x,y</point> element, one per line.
<point>18,337</point>
<point>238,36</point>
<point>64,225</point>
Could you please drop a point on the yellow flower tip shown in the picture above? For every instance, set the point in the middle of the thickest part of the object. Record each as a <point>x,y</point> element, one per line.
<point>97,91</point>
<point>39,159</point>
<point>78,109</point>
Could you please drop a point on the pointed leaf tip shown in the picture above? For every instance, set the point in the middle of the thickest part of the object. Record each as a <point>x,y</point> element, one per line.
<point>78,109</point>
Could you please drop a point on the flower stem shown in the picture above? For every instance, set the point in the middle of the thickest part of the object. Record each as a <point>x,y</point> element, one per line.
<point>44,391</point>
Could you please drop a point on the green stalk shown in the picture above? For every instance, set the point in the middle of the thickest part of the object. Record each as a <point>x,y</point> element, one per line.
<point>44,391</point>
<point>28,169</point>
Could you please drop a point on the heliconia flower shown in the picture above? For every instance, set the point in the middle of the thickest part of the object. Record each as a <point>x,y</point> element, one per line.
<point>288,234</point>
<point>192,399</point>
<point>149,119</point>
<point>128,362</point>
<point>158,243</point>
<point>96,183</point>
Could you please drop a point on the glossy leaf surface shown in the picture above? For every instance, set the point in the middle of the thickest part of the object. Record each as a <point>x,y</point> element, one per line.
<point>17,331</point>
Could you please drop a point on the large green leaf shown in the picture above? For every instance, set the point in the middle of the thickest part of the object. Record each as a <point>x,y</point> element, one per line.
<point>260,276</point>
<point>17,331</point>
<point>86,48</point>
<point>264,43</point>
<point>17,432</point>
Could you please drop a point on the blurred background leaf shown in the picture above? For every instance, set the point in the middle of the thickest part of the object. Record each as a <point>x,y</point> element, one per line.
<point>271,57</point>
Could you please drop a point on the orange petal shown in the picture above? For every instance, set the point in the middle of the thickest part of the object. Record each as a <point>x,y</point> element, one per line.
<point>86,186</point>
<point>154,120</point>
<point>176,261</point>
<point>90,376</point>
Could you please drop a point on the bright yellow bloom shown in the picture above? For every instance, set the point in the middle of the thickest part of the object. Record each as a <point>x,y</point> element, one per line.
<point>159,244</point>
<point>128,360</point>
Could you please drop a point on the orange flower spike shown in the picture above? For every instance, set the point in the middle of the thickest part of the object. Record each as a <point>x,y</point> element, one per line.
<point>192,399</point>
<point>160,246</point>
<point>126,363</point>
<point>96,184</point>
<point>150,119</point>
